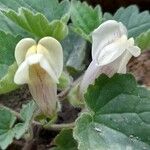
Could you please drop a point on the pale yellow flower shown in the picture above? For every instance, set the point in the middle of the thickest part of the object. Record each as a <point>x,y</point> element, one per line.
<point>40,66</point>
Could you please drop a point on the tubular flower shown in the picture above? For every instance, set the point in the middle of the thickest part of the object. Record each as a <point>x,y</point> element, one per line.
<point>40,66</point>
<point>111,51</point>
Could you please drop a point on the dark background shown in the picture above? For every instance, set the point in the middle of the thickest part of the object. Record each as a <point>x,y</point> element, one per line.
<point>113,5</point>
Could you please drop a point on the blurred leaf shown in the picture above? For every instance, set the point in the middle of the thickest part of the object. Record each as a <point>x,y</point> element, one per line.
<point>64,81</point>
<point>135,21</point>
<point>26,113</point>
<point>143,40</point>
<point>7,47</point>
<point>74,48</point>
<point>37,24</point>
<point>65,141</point>
<point>120,117</point>
<point>7,120</point>
<point>7,70</point>
<point>84,18</point>
<point>7,26</point>
<point>7,80</point>
<point>51,9</point>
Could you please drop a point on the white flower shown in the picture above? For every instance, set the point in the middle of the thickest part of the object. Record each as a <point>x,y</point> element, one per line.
<point>111,51</point>
<point>40,66</point>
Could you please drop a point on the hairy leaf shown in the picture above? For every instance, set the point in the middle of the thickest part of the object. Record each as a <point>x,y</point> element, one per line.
<point>135,21</point>
<point>26,113</point>
<point>37,24</point>
<point>7,120</point>
<point>84,18</point>
<point>51,9</point>
<point>120,117</point>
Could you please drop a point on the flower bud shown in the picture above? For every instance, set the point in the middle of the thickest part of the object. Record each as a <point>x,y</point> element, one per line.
<point>111,51</point>
<point>40,66</point>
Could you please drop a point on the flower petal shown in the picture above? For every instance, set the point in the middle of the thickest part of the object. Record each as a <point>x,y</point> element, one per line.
<point>125,57</point>
<point>22,74</point>
<point>22,48</point>
<point>55,53</point>
<point>112,51</point>
<point>43,90</point>
<point>105,34</point>
<point>135,51</point>
<point>94,71</point>
<point>43,62</point>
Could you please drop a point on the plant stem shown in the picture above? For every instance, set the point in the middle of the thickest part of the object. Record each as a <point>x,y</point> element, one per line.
<point>58,127</point>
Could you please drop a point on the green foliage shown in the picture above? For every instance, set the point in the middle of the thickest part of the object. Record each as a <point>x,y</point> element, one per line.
<point>51,9</point>
<point>7,47</point>
<point>8,129</point>
<point>74,49</point>
<point>37,24</point>
<point>65,140</point>
<point>7,71</point>
<point>7,26</point>
<point>143,40</point>
<point>26,113</point>
<point>7,120</point>
<point>84,18</point>
<point>64,81</point>
<point>120,117</point>
<point>7,79</point>
<point>135,21</point>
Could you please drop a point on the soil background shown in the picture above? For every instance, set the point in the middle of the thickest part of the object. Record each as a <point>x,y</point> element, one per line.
<point>140,67</point>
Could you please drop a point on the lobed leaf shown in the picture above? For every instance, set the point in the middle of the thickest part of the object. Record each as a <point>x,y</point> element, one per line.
<point>7,120</point>
<point>37,24</point>
<point>85,18</point>
<point>26,113</point>
<point>135,21</point>
<point>51,9</point>
<point>120,117</point>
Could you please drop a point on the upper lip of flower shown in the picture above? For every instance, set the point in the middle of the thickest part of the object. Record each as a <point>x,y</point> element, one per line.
<point>47,53</point>
<point>110,41</point>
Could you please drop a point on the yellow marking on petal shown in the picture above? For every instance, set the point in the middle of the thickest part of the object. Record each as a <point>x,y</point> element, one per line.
<point>31,50</point>
<point>42,50</point>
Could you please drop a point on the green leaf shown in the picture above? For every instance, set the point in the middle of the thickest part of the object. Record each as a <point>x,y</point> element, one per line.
<point>7,47</point>
<point>7,26</point>
<point>7,79</point>
<point>65,140</point>
<point>84,18</point>
<point>37,24</point>
<point>143,40</point>
<point>7,120</point>
<point>74,48</point>
<point>26,113</point>
<point>65,81</point>
<point>51,9</point>
<point>120,117</point>
<point>135,21</point>
<point>7,69</point>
